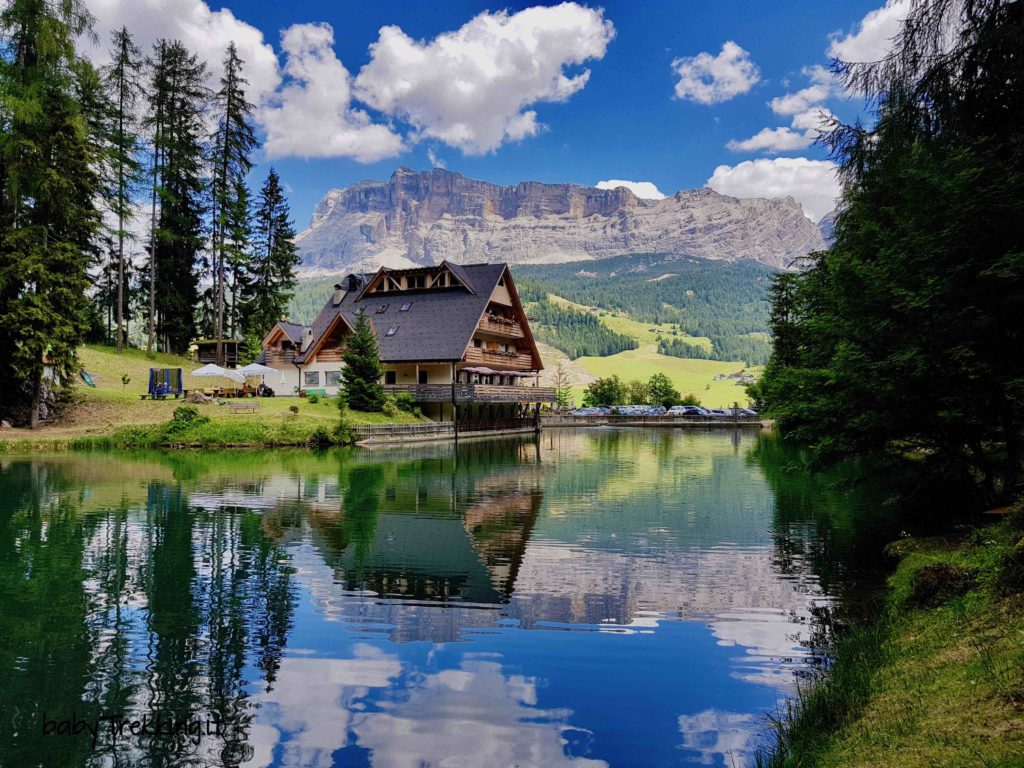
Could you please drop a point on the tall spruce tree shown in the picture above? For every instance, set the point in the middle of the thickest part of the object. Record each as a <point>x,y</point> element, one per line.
<point>273,260</point>
<point>362,372</point>
<point>236,244</point>
<point>122,80</point>
<point>233,143</point>
<point>178,99</point>
<point>48,188</point>
<point>904,336</point>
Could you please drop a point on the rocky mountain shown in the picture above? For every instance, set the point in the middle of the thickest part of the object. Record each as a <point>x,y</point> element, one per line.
<point>418,218</point>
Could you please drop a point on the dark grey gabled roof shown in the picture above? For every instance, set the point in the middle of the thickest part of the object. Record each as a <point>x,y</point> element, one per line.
<point>292,330</point>
<point>438,325</point>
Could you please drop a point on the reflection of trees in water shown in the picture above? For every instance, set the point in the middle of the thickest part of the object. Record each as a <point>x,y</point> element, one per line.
<point>833,524</point>
<point>152,606</point>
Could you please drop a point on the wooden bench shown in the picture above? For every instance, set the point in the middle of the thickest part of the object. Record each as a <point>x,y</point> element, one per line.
<point>243,407</point>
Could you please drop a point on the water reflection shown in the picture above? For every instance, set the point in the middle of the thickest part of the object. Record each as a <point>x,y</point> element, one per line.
<point>602,597</point>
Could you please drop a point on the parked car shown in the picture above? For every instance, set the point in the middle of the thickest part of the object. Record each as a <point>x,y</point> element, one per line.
<point>748,412</point>
<point>590,411</point>
<point>720,412</point>
<point>687,410</point>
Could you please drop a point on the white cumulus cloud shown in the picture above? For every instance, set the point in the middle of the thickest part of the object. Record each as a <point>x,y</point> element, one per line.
<point>824,85</point>
<point>871,39</point>
<point>645,190</point>
<point>708,79</point>
<point>473,88</point>
<point>202,30</point>
<point>812,183</point>
<point>312,114</point>
<point>804,129</point>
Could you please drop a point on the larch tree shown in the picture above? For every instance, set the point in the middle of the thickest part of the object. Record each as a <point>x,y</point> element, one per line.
<point>122,80</point>
<point>178,98</point>
<point>49,218</point>
<point>233,142</point>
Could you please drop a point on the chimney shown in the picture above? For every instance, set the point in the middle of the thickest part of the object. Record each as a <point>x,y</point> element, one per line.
<point>307,337</point>
<point>339,294</point>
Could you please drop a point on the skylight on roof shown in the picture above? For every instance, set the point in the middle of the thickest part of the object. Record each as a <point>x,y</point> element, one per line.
<point>382,309</point>
<point>392,330</point>
<point>406,307</point>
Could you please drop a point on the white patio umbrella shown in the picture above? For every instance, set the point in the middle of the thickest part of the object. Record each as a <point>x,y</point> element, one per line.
<point>216,370</point>
<point>256,369</point>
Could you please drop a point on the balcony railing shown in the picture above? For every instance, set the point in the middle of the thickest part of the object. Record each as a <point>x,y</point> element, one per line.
<point>330,355</point>
<point>280,357</point>
<point>500,326</point>
<point>474,393</point>
<point>493,357</point>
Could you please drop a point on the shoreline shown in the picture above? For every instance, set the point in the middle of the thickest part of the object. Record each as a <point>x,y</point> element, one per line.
<point>936,677</point>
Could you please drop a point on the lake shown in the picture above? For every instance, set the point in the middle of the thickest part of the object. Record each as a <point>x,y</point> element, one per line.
<point>601,597</point>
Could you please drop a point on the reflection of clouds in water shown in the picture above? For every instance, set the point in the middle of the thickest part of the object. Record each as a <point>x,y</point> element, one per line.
<point>312,703</point>
<point>470,717</point>
<point>770,639</point>
<point>724,737</point>
<point>473,717</point>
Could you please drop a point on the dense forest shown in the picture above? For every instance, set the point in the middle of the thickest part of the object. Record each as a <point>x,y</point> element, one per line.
<point>904,338</point>
<point>752,350</point>
<point>125,211</point>
<point>576,333</point>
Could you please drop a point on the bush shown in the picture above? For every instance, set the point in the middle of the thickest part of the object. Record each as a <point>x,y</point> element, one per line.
<point>186,417</point>
<point>933,585</point>
<point>294,410</point>
<point>390,408</point>
<point>313,398</point>
<point>404,401</point>
<point>320,438</point>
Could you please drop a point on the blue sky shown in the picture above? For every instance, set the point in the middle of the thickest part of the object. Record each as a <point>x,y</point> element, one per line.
<point>580,93</point>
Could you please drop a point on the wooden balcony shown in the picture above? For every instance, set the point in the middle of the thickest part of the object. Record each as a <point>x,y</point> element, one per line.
<point>277,357</point>
<point>499,360</point>
<point>474,393</point>
<point>330,355</point>
<point>499,326</point>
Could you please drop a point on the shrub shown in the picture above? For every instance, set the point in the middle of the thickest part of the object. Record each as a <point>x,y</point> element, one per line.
<point>404,401</point>
<point>389,408</point>
<point>933,585</point>
<point>313,398</point>
<point>185,417</point>
<point>320,438</point>
<point>294,410</point>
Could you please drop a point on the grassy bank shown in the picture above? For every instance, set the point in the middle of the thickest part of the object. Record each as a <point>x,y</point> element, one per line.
<point>112,415</point>
<point>938,679</point>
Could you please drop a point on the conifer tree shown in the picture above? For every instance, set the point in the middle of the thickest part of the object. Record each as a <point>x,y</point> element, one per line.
<point>237,237</point>
<point>362,372</point>
<point>273,260</point>
<point>233,142</point>
<point>122,81</point>
<point>48,188</point>
<point>178,99</point>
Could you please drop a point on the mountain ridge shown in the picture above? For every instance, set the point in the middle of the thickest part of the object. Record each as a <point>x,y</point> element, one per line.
<point>421,217</point>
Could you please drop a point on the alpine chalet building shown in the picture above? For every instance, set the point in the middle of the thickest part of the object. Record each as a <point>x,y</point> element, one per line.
<point>454,336</point>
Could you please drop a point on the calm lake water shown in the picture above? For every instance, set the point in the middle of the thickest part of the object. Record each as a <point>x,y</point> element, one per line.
<point>603,597</point>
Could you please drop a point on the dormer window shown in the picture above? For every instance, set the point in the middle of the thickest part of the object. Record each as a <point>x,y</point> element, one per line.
<point>418,281</point>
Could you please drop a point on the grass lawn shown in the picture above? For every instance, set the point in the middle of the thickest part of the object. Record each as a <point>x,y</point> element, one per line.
<point>687,375</point>
<point>933,683</point>
<point>110,407</point>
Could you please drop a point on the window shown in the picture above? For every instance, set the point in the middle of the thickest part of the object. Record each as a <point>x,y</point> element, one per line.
<point>419,281</point>
<point>406,307</point>
<point>442,280</point>
<point>392,330</point>
<point>382,309</point>
<point>334,378</point>
<point>477,343</point>
<point>312,378</point>
<point>390,377</point>
<point>423,377</point>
